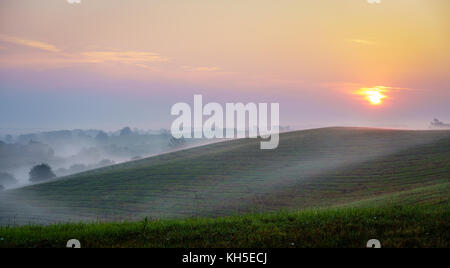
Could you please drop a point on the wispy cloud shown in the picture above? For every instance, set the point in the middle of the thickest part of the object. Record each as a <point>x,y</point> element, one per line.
<point>202,68</point>
<point>352,86</point>
<point>361,42</point>
<point>207,69</point>
<point>130,57</point>
<point>61,58</point>
<point>28,43</point>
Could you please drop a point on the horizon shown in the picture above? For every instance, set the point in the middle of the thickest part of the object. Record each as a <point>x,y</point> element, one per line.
<point>150,131</point>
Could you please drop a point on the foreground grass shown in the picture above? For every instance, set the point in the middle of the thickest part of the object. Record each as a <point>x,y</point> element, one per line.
<point>403,226</point>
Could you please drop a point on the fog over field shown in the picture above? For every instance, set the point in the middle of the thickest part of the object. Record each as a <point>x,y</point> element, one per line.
<point>312,168</point>
<point>72,151</point>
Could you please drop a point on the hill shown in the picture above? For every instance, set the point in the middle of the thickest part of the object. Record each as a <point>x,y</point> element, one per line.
<point>315,168</point>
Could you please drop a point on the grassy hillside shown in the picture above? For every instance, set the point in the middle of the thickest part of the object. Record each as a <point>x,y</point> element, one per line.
<point>314,168</point>
<point>394,226</point>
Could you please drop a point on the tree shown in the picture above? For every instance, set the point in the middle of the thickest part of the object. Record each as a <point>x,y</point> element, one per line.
<point>7,179</point>
<point>126,131</point>
<point>101,136</point>
<point>41,172</point>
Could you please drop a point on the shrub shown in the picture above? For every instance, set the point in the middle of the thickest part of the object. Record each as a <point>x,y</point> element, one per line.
<point>41,172</point>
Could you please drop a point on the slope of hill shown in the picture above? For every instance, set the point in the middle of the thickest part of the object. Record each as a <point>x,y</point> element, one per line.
<point>314,168</point>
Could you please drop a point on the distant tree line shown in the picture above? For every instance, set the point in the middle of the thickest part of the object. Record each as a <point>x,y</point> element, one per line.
<point>68,152</point>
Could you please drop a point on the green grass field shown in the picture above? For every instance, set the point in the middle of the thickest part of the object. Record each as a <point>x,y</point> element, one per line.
<point>337,187</point>
<point>394,226</point>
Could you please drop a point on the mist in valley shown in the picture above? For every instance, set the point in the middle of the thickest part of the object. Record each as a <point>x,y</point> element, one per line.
<point>69,152</point>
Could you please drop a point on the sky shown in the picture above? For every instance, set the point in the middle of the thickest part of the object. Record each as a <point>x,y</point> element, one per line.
<point>106,64</point>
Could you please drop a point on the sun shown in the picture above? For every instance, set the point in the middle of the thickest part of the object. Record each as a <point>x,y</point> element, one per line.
<point>375,95</point>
